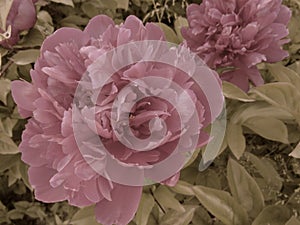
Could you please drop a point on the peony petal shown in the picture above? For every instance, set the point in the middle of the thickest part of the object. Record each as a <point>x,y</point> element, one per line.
<point>24,95</point>
<point>238,78</point>
<point>98,25</point>
<point>64,35</point>
<point>39,178</point>
<point>284,15</point>
<point>121,210</point>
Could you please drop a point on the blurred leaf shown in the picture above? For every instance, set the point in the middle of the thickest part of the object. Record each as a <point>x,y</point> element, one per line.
<point>208,178</point>
<point>24,174</point>
<point>33,39</point>
<point>145,207</point>
<point>269,128</point>
<point>65,2</point>
<point>166,199</point>
<point>293,221</point>
<point>8,161</point>
<point>233,92</point>
<point>201,217</point>
<point>294,31</point>
<point>282,95</point>
<point>235,139</point>
<point>275,215</point>
<point>7,146</point>
<point>175,218</point>
<point>4,89</point>
<point>8,125</point>
<point>284,74</point>
<point>266,169</point>
<point>249,110</point>
<point>183,188</point>
<point>25,57</point>
<point>15,214</point>
<point>244,188</point>
<point>222,205</point>
<point>35,212</point>
<point>74,20</point>
<point>169,33</point>
<point>89,9</point>
<point>84,216</point>
<point>123,4</point>
<point>44,23</point>
<point>14,174</point>
<point>178,24</point>
<point>22,205</point>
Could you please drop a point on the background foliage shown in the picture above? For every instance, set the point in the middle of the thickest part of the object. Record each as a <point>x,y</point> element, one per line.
<point>254,180</point>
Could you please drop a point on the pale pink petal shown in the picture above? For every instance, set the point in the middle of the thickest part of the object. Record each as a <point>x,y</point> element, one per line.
<point>39,179</point>
<point>98,25</point>
<point>24,95</point>
<point>121,210</point>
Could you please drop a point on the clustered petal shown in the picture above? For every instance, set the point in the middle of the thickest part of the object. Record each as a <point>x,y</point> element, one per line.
<point>239,34</point>
<point>58,170</point>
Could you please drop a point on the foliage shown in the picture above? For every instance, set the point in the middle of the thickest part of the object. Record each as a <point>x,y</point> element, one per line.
<point>255,178</point>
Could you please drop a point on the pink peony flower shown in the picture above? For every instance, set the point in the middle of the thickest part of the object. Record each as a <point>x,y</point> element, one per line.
<point>65,92</point>
<point>22,16</point>
<point>238,33</point>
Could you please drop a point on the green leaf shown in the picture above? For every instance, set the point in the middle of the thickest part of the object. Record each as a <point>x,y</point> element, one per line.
<point>25,57</point>
<point>145,207</point>
<point>7,146</point>
<point>85,216</point>
<point>201,217</point>
<point>282,95</point>
<point>175,218</point>
<point>24,174</point>
<point>123,4</point>
<point>169,33</point>
<point>209,178</point>
<point>178,24</point>
<point>33,39</point>
<point>284,74</point>
<point>275,215</point>
<point>244,188</point>
<point>269,128</point>
<point>183,188</point>
<point>166,199</point>
<point>8,125</point>
<point>293,221</point>
<point>222,205</point>
<point>8,161</point>
<point>249,110</point>
<point>74,20</point>
<point>15,214</point>
<point>65,2</point>
<point>44,23</point>
<point>4,89</point>
<point>235,139</point>
<point>231,91</point>
<point>267,170</point>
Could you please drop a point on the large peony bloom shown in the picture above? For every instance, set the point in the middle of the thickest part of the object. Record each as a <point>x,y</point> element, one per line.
<point>59,169</point>
<point>22,16</point>
<point>239,34</point>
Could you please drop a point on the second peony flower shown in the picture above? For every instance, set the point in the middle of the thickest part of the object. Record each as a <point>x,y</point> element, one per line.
<point>238,34</point>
